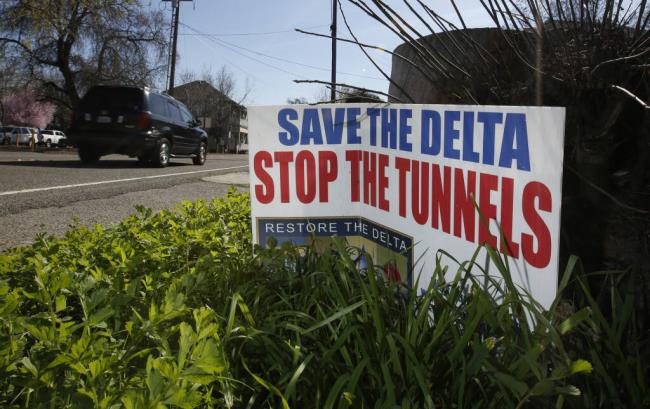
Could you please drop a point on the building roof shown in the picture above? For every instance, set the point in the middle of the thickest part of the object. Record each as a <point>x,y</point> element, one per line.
<point>181,91</point>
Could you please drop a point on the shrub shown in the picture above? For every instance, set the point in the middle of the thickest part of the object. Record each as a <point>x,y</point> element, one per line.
<point>174,309</point>
<point>126,315</point>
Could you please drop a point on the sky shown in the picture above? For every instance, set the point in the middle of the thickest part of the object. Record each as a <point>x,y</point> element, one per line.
<point>255,40</point>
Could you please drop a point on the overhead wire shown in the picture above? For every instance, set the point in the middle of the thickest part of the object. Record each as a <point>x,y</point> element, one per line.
<point>247,56</point>
<point>230,46</point>
<point>248,34</point>
<point>299,63</point>
<point>231,63</point>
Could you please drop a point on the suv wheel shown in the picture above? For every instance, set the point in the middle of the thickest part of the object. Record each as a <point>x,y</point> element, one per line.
<point>201,154</point>
<point>48,143</point>
<point>160,155</point>
<point>88,155</point>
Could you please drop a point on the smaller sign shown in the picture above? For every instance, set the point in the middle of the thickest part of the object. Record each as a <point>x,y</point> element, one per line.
<point>387,247</point>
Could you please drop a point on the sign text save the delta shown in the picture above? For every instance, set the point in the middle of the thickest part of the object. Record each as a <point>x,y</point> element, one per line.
<point>403,181</point>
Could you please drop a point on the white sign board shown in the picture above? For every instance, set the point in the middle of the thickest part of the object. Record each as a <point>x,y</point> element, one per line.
<point>403,181</point>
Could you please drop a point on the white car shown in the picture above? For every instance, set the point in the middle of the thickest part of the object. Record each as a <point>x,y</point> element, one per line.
<point>22,135</point>
<point>50,137</point>
<point>5,132</point>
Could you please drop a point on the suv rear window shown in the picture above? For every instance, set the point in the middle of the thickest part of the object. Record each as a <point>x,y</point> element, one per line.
<point>174,113</point>
<point>115,99</point>
<point>158,105</point>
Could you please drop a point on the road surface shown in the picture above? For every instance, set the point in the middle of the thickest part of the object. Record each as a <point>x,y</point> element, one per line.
<point>49,191</point>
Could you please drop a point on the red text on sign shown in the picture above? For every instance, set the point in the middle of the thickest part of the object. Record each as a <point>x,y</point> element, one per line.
<point>311,173</point>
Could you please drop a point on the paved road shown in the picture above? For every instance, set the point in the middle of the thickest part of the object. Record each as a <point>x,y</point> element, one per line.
<point>49,191</point>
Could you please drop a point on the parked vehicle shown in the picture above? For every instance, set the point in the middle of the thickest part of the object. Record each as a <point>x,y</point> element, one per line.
<point>64,142</point>
<point>49,137</point>
<point>22,135</point>
<point>138,122</point>
<point>236,142</point>
<point>242,146</point>
<point>5,132</point>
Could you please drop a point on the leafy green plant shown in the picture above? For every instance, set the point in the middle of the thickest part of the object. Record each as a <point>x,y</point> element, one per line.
<point>177,309</point>
<point>100,317</point>
<point>352,340</point>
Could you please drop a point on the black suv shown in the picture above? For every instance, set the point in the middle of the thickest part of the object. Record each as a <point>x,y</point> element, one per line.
<point>137,122</point>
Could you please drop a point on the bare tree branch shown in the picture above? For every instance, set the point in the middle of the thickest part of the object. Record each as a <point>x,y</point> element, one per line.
<point>614,60</point>
<point>345,20</point>
<point>82,43</point>
<point>631,95</point>
<point>412,63</point>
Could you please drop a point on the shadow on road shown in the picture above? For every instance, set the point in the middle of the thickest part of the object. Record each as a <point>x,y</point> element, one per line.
<point>76,164</point>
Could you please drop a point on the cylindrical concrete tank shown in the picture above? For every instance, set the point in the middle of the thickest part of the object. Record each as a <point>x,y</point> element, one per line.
<point>477,65</point>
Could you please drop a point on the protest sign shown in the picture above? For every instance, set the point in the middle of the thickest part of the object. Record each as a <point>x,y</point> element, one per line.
<point>403,181</point>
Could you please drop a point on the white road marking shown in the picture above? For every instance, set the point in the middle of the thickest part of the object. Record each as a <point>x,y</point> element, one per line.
<point>104,182</point>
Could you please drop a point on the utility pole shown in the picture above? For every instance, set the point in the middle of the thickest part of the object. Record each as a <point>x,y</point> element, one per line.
<point>172,70</point>
<point>176,8</point>
<point>333,30</point>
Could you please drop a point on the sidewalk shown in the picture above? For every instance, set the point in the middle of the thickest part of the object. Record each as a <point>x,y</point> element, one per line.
<point>236,178</point>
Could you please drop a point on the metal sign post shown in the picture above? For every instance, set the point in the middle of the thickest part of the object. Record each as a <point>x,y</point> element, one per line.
<point>333,30</point>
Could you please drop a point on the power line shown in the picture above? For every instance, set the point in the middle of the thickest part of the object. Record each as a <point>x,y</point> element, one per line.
<point>219,42</point>
<point>231,63</point>
<point>298,63</point>
<point>226,43</point>
<point>247,34</point>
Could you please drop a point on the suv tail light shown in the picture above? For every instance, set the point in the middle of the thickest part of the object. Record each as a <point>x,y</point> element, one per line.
<point>143,120</point>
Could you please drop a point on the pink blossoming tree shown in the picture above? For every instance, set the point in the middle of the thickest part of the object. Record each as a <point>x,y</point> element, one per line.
<point>24,108</point>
